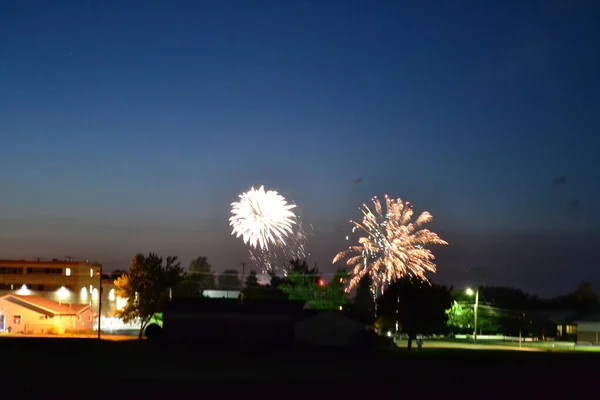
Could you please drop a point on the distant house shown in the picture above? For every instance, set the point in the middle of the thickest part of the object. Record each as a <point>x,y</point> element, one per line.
<point>563,320</point>
<point>221,294</point>
<point>39,315</point>
<point>330,329</point>
<point>588,329</point>
<point>230,322</point>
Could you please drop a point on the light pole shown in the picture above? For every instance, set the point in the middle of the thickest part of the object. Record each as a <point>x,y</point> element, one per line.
<point>100,304</point>
<point>470,293</point>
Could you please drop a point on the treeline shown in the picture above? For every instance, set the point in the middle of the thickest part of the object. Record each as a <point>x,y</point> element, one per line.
<point>407,306</point>
<point>413,307</point>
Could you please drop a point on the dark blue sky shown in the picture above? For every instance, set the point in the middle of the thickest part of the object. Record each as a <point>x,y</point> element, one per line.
<point>131,126</point>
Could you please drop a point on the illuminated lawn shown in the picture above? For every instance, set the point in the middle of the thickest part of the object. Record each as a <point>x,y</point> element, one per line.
<point>504,345</point>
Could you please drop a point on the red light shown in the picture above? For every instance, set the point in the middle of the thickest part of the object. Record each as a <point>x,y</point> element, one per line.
<point>321,282</point>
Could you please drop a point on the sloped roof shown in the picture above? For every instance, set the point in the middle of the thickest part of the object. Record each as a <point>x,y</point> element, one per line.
<point>45,306</point>
<point>593,317</point>
<point>233,306</point>
<point>566,316</point>
<point>330,315</point>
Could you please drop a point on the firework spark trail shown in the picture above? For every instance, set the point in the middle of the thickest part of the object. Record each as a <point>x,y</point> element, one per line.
<point>262,218</point>
<point>277,257</point>
<point>390,246</point>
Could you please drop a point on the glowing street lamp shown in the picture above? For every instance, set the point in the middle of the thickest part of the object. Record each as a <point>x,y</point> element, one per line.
<point>62,293</point>
<point>24,291</point>
<point>470,292</point>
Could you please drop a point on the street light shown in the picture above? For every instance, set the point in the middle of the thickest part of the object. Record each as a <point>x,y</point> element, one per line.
<point>470,292</point>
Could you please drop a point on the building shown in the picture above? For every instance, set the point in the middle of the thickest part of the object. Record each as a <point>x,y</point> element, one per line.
<point>559,324</point>
<point>329,329</point>
<point>66,282</point>
<point>231,323</point>
<point>221,294</point>
<point>39,315</point>
<point>588,329</point>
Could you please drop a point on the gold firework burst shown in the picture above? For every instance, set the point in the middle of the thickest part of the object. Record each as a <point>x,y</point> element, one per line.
<point>391,246</point>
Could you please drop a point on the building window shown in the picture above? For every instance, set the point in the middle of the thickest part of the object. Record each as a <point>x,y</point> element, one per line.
<point>91,272</point>
<point>11,270</point>
<point>45,271</point>
<point>17,320</point>
<point>83,294</point>
<point>571,329</point>
<point>68,271</point>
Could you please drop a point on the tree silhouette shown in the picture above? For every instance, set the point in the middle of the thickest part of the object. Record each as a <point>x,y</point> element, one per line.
<point>146,287</point>
<point>229,280</point>
<point>363,306</point>
<point>117,273</point>
<point>252,280</point>
<point>200,272</point>
<point>418,307</point>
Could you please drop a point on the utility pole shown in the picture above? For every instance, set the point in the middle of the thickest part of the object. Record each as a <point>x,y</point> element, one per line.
<point>475,312</point>
<point>479,273</point>
<point>243,264</point>
<point>99,302</point>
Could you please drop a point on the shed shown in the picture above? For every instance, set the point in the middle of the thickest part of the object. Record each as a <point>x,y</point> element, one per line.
<point>588,329</point>
<point>231,322</point>
<point>331,329</point>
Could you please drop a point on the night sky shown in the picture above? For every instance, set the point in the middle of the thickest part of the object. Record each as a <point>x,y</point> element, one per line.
<point>131,126</point>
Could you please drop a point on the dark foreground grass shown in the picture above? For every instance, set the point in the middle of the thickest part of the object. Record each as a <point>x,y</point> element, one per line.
<point>105,369</point>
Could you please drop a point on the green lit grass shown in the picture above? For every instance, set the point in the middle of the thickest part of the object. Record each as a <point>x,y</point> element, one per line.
<point>504,345</point>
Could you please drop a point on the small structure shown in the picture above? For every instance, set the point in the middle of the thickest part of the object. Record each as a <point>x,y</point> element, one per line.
<point>221,294</point>
<point>588,329</point>
<point>560,324</point>
<point>330,329</point>
<point>210,322</point>
<point>39,315</point>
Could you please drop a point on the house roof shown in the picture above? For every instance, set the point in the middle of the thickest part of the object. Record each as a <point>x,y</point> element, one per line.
<point>45,306</point>
<point>208,305</point>
<point>47,263</point>
<point>331,315</point>
<point>566,316</point>
<point>592,317</point>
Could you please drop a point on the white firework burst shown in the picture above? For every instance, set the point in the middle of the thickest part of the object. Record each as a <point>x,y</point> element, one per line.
<point>262,218</point>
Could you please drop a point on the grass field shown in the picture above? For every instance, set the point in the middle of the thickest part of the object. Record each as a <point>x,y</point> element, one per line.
<point>35,364</point>
<point>505,345</point>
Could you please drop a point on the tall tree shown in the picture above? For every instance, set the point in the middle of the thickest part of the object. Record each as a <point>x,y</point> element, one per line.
<point>252,280</point>
<point>418,307</point>
<point>585,296</point>
<point>229,280</point>
<point>316,295</point>
<point>146,287</point>
<point>200,272</point>
<point>117,273</point>
<point>461,318</point>
<point>363,306</point>
<point>301,268</point>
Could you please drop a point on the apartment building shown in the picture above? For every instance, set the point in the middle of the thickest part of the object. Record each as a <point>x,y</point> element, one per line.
<point>66,282</point>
